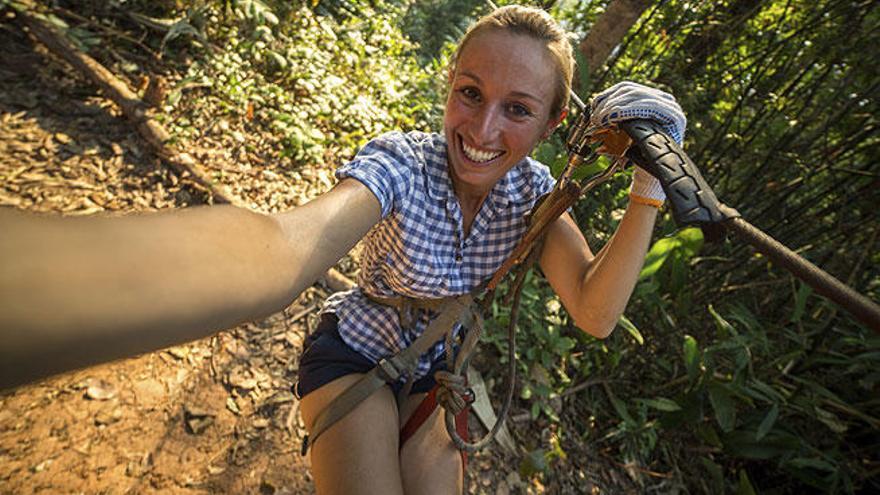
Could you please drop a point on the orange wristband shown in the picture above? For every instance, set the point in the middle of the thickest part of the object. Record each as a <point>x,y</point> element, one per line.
<point>635,198</point>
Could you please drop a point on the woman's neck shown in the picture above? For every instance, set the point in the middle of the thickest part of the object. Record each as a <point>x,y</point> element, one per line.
<point>470,200</point>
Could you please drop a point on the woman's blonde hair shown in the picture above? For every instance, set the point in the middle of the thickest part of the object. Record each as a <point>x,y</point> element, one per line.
<point>536,23</point>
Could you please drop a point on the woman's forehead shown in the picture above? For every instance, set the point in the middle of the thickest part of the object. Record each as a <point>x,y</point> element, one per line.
<point>518,62</point>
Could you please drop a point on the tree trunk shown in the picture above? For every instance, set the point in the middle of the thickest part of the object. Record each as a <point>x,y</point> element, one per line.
<point>609,30</point>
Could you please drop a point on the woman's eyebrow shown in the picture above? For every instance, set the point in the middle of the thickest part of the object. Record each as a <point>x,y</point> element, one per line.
<point>515,94</point>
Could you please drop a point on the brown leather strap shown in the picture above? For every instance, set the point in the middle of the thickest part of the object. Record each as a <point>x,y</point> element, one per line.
<point>401,301</point>
<point>406,306</point>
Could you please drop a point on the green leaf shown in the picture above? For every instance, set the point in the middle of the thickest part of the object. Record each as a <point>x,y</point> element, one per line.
<point>800,301</point>
<point>533,463</point>
<point>723,326</point>
<point>563,344</point>
<point>621,409</point>
<point>742,443</point>
<point>708,434</point>
<point>691,241</point>
<point>715,473</point>
<point>830,420</point>
<point>657,256</point>
<point>270,17</point>
<point>691,356</point>
<point>802,462</point>
<point>770,393</point>
<point>582,82</point>
<point>744,487</point>
<point>724,406</point>
<point>278,59</point>
<point>630,327</point>
<point>662,404</point>
<point>768,422</point>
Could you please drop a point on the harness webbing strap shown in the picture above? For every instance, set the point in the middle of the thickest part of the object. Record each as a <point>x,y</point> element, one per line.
<point>390,369</point>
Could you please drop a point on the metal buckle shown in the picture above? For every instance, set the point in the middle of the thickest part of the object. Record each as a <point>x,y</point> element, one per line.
<point>469,396</point>
<point>388,370</point>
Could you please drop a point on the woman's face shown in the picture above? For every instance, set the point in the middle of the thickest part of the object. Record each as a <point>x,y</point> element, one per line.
<point>498,107</point>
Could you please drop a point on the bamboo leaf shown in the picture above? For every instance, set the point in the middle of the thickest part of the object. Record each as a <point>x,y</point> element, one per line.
<point>800,301</point>
<point>630,327</point>
<point>621,409</point>
<point>801,462</point>
<point>658,255</point>
<point>691,356</point>
<point>662,404</point>
<point>724,406</point>
<point>768,422</point>
<point>723,326</point>
<point>744,487</point>
<point>691,241</point>
<point>716,474</point>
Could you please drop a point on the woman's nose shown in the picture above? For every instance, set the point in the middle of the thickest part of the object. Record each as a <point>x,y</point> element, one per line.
<point>485,124</point>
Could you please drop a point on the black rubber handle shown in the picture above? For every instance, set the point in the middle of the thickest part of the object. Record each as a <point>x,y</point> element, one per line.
<point>693,201</point>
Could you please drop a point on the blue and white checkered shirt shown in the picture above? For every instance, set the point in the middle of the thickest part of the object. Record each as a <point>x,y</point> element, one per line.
<point>418,249</point>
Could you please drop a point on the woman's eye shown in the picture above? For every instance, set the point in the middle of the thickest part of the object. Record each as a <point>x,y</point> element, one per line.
<point>470,93</point>
<point>519,110</point>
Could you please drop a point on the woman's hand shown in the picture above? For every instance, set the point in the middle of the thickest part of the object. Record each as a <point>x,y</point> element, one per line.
<point>627,101</point>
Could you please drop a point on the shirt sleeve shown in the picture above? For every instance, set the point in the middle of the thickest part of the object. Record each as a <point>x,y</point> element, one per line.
<point>385,166</point>
<point>542,179</point>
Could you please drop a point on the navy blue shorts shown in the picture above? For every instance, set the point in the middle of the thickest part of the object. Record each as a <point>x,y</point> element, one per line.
<point>327,357</point>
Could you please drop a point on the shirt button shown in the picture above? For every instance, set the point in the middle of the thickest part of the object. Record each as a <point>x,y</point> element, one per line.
<point>458,257</point>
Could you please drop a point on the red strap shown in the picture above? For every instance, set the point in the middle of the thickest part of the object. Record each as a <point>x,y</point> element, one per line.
<point>423,412</point>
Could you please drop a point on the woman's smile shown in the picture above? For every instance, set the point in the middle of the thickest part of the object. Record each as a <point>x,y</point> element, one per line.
<point>479,156</point>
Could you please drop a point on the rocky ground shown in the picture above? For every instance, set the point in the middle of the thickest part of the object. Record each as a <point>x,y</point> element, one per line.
<point>213,416</point>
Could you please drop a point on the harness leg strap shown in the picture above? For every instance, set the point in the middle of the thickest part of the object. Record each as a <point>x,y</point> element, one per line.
<point>424,411</point>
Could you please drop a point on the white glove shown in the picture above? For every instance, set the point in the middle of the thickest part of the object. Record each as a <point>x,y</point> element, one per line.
<point>627,101</point>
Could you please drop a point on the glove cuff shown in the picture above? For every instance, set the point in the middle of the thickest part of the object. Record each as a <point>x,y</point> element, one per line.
<point>646,189</point>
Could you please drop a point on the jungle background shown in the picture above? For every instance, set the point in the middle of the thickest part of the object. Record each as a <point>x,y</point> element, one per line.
<point>727,375</point>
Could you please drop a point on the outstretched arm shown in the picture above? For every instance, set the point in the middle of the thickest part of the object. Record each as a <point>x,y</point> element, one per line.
<point>80,291</point>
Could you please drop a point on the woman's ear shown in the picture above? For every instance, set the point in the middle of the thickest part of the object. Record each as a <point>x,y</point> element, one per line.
<point>553,123</point>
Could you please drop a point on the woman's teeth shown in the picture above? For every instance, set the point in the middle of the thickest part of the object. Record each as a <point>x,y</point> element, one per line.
<point>479,156</point>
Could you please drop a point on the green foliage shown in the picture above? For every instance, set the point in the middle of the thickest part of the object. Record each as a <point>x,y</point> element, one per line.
<point>544,352</point>
<point>437,24</point>
<point>769,380</point>
<point>325,85</point>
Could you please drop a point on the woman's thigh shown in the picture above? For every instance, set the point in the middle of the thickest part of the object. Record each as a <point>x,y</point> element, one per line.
<point>429,461</point>
<point>359,453</point>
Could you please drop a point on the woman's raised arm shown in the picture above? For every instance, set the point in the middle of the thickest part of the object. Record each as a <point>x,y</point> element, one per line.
<point>80,291</point>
